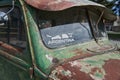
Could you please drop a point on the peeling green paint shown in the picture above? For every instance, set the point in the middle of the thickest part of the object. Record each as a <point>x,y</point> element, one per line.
<point>44,59</point>
<point>97,62</point>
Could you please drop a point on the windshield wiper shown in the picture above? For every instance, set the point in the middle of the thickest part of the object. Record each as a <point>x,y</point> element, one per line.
<point>113,48</point>
<point>99,19</point>
<point>92,27</point>
<point>96,25</point>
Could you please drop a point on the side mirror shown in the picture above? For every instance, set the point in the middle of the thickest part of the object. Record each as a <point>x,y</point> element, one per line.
<point>3,18</point>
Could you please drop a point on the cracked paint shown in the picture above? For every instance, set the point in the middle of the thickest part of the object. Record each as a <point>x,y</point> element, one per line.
<point>91,68</point>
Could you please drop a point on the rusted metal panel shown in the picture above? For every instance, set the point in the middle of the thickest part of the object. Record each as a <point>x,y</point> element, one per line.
<point>112,68</point>
<point>9,48</point>
<point>99,67</point>
<point>55,5</point>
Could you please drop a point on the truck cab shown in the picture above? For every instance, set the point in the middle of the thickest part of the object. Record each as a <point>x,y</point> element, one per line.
<point>57,40</point>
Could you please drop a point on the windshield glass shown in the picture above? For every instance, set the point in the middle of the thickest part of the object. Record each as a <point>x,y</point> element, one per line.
<point>63,35</point>
<point>63,28</point>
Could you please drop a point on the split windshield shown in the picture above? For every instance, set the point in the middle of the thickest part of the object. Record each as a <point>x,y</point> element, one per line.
<point>63,28</point>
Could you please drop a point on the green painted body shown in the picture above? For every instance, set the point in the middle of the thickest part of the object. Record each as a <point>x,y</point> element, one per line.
<point>114,35</point>
<point>89,57</point>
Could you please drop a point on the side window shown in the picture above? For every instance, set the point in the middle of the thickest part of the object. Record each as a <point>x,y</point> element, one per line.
<point>12,27</point>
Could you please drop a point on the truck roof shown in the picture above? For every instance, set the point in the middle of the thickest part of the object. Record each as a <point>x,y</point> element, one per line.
<point>57,5</point>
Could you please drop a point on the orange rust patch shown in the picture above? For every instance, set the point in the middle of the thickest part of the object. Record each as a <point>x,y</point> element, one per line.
<point>112,68</point>
<point>95,70</point>
<point>9,48</point>
<point>82,56</point>
<point>79,55</point>
<point>76,74</point>
<point>49,5</point>
<point>78,51</point>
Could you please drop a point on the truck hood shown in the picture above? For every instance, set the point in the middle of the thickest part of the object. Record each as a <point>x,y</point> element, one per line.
<point>95,63</point>
<point>99,67</point>
<point>57,5</point>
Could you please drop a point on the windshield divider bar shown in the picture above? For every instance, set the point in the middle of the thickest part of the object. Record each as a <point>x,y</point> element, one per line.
<point>99,19</point>
<point>91,27</point>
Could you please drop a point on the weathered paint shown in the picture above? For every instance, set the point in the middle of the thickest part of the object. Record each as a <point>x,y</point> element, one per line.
<point>92,68</point>
<point>112,67</point>
<point>55,5</point>
<point>9,48</point>
<point>87,65</point>
<point>86,61</point>
<point>17,61</point>
<point>14,66</point>
<point>38,60</point>
<point>78,62</point>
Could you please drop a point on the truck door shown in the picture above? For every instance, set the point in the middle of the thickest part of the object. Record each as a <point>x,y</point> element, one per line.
<point>12,29</point>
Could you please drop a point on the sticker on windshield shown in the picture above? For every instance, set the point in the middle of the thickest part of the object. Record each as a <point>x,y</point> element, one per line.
<point>58,39</point>
<point>64,35</point>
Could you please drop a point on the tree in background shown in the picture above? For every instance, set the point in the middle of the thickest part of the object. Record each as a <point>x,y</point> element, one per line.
<point>116,10</point>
